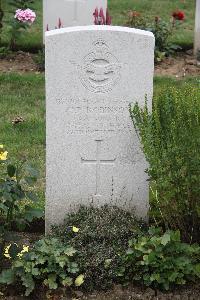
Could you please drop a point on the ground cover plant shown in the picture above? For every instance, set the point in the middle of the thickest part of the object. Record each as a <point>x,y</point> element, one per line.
<point>49,262</point>
<point>17,180</point>
<point>100,236</point>
<point>171,142</point>
<point>161,260</point>
<point>109,247</point>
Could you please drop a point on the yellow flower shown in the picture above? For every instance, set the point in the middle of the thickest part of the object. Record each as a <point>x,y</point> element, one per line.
<point>1,146</point>
<point>24,250</point>
<point>75,229</point>
<point>79,280</point>
<point>6,252</point>
<point>3,155</point>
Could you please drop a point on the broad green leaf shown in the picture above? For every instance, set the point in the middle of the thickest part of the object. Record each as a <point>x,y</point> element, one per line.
<point>3,207</point>
<point>11,170</point>
<point>165,239</point>
<point>7,276</point>
<point>51,281</point>
<point>32,213</point>
<point>32,196</point>
<point>67,281</point>
<point>14,250</point>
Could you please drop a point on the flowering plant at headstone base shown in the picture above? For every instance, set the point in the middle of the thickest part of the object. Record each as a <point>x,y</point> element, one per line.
<point>100,18</point>
<point>16,195</point>
<point>21,21</point>
<point>161,29</point>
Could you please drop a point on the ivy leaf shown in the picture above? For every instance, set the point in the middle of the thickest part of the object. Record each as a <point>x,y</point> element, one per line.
<point>30,180</point>
<point>70,251</point>
<point>11,170</point>
<point>32,171</point>
<point>14,250</point>
<point>7,276</point>
<point>32,196</point>
<point>3,207</point>
<point>32,213</point>
<point>51,282</point>
<point>67,281</point>
<point>165,239</point>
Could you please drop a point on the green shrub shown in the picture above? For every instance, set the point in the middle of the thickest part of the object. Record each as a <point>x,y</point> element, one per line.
<point>162,30</point>
<point>161,260</point>
<point>102,236</point>
<point>16,185</point>
<point>170,136</point>
<point>49,262</point>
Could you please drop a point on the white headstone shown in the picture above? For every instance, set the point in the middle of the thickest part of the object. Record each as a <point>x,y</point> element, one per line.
<point>93,152</point>
<point>70,12</point>
<point>197,28</point>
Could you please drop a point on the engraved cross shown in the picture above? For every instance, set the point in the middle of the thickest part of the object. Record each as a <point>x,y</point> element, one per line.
<point>98,162</point>
<point>75,18</point>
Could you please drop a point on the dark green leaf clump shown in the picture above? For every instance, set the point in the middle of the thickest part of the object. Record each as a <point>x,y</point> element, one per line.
<point>102,237</point>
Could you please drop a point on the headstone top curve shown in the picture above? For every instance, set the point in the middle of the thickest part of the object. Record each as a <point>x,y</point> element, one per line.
<point>98,28</point>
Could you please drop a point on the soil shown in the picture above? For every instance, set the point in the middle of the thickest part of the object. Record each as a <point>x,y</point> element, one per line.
<point>20,62</point>
<point>183,64</point>
<point>118,293</point>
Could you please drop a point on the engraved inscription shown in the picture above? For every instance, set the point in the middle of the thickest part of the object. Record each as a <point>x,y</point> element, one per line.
<point>98,162</point>
<point>100,70</point>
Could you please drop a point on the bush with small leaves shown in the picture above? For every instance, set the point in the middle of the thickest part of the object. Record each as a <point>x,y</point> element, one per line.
<point>170,136</point>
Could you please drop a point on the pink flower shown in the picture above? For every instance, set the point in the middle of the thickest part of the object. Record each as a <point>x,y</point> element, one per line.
<point>25,16</point>
<point>100,19</point>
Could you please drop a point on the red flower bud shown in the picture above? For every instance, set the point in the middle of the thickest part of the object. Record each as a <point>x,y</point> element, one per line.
<point>108,18</point>
<point>102,17</point>
<point>178,15</point>
<point>59,23</point>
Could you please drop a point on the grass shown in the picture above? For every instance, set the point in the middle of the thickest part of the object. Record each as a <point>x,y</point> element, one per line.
<point>24,95</point>
<point>32,39</point>
<point>162,8</point>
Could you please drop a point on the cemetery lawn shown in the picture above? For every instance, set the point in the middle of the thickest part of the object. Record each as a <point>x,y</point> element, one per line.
<point>32,39</point>
<point>24,95</point>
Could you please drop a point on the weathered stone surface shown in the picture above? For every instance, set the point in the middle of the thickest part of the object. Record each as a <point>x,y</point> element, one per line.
<point>70,12</point>
<point>93,73</point>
